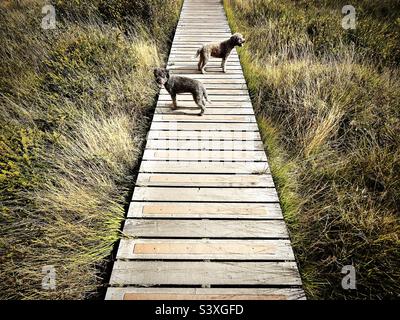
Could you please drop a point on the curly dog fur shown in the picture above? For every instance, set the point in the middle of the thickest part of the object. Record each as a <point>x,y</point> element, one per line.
<point>178,84</point>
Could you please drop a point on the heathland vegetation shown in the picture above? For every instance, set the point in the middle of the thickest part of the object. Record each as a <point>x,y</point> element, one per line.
<point>328,105</point>
<point>75,104</point>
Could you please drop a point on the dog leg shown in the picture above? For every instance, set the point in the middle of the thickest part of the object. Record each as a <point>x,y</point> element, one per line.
<point>203,68</point>
<point>200,103</point>
<point>202,109</point>
<point>174,104</point>
<point>200,64</point>
<point>223,65</point>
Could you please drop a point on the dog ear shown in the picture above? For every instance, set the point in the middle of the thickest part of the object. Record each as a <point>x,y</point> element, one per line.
<point>155,72</point>
<point>235,38</point>
<point>167,73</point>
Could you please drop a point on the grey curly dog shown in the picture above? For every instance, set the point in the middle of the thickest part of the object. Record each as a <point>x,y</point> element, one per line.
<point>178,84</point>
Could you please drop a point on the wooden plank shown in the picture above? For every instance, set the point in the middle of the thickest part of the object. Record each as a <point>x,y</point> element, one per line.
<point>199,249</point>
<point>133,293</point>
<point>204,145</point>
<point>205,118</point>
<point>190,50</point>
<point>205,210</point>
<point>204,134</point>
<point>224,86</point>
<point>214,75</point>
<point>214,68</point>
<point>204,21</point>
<point>201,21</point>
<point>214,104</point>
<point>215,13</point>
<point>201,155</point>
<point>190,69</point>
<point>171,125</point>
<point>205,194</point>
<point>202,26</point>
<point>167,97</point>
<point>210,71</point>
<point>189,58</point>
<point>189,54</point>
<point>190,228</point>
<point>204,273</point>
<point>226,81</point>
<point>203,33</point>
<point>204,167</point>
<point>216,91</point>
<point>195,110</point>
<point>190,64</point>
<point>205,180</point>
<point>230,65</point>
<point>197,37</point>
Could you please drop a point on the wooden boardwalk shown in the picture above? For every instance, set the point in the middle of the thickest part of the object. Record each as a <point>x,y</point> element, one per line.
<point>205,220</point>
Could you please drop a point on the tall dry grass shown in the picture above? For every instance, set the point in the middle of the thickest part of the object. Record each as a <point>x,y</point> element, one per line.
<point>75,105</point>
<point>328,105</point>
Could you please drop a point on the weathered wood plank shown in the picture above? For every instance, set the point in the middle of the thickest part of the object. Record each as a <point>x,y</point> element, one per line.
<point>204,135</point>
<point>205,194</point>
<point>197,37</point>
<point>212,68</point>
<point>204,145</point>
<point>167,97</point>
<point>171,125</point>
<point>204,155</point>
<point>195,110</point>
<point>189,228</point>
<point>211,210</point>
<point>215,104</point>
<point>204,180</point>
<point>192,72</point>
<point>189,59</point>
<point>190,53</point>
<point>213,65</point>
<point>204,273</point>
<point>203,33</point>
<point>224,86</point>
<point>132,293</point>
<point>189,249</point>
<point>216,91</point>
<point>204,118</point>
<point>226,81</point>
<point>204,167</point>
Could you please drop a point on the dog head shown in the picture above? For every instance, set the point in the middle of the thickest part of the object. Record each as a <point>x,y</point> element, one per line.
<point>161,75</point>
<point>238,40</point>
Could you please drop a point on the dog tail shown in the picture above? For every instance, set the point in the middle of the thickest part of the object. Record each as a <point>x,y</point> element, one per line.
<point>206,96</point>
<point>198,52</point>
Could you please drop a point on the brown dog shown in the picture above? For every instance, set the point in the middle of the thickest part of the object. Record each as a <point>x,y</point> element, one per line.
<point>218,50</point>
